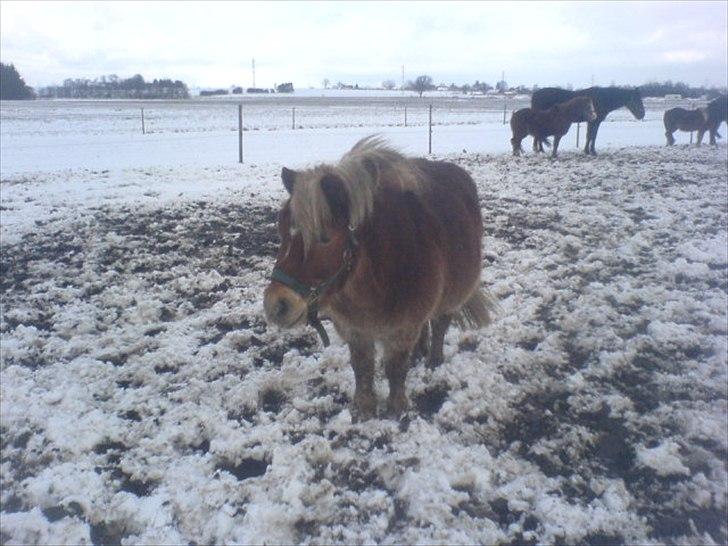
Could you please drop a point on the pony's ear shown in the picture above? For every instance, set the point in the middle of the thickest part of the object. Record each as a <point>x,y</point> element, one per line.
<point>289,177</point>
<point>336,196</point>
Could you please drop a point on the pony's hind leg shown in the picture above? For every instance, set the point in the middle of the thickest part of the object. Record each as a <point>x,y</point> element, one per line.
<point>361,350</point>
<point>439,328</point>
<point>422,347</point>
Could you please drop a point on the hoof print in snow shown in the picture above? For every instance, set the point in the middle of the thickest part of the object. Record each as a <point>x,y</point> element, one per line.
<point>165,368</point>
<point>131,415</point>
<point>602,539</point>
<point>139,488</point>
<point>430,400</point>
<point>248,468</point>
<point>109,445</point>
<point>103,534</point>
<point>502,514</point>
<point>468,345</point>
<point>271,400</point>
<point>56,513</point>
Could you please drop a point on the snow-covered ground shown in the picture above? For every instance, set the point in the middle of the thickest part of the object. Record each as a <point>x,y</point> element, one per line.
<point>144,400</point>
<point>52,135</point>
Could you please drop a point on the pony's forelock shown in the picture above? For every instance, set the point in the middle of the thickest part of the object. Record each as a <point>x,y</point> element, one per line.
<point>363,171</point>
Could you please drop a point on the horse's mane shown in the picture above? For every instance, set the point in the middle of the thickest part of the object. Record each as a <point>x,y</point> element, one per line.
<point>364,170</point>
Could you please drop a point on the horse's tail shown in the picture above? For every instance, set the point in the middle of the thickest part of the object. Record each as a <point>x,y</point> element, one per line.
<point>478,311</point>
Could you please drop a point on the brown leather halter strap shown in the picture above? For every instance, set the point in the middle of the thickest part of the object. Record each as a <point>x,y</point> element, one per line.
<point>312,294</point>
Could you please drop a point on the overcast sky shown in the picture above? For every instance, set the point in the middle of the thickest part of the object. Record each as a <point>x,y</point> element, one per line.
<point>212,44</point>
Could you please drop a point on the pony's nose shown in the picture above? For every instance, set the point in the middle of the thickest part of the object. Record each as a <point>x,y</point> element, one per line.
<point>283,309</point>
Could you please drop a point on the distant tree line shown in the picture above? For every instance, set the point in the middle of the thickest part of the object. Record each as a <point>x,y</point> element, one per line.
<point>113,87</point>
<point>656,89</point>
<point>12,86</point>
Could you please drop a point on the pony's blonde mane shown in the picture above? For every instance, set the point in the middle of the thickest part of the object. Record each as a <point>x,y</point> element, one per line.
<point>370,165</point>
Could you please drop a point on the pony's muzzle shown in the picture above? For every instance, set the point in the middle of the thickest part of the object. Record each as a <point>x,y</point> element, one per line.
<point>283,307</point>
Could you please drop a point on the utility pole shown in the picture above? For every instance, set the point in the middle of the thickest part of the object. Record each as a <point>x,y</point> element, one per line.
<point>402,87</point>
<point>253,71</point>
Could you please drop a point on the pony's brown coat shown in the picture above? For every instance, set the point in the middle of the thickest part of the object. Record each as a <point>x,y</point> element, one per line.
<point>685,120</point>
<point>417,259</point>
<point>555,122</point>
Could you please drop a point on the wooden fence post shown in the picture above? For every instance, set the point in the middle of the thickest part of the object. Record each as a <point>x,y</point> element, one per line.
<point>429,146</point>
<point>505,100</point>
<point>293,123</point>
<point>143,131</point>
<point>240,132</point>
<point>405,116</point>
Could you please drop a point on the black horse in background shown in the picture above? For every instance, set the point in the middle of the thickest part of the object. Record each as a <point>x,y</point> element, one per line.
<point>605,99</point>
<point>717,114</point>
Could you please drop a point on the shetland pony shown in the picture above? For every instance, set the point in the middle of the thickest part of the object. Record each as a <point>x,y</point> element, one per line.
<point>605,100</point>
<point>386,246</point>
<point>552,122</point>
<point>685,120</point>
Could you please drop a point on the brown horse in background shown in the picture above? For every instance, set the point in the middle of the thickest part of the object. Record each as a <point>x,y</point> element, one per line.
<point>685,120</point>
<point>387,247</point>
<point>552,122</point>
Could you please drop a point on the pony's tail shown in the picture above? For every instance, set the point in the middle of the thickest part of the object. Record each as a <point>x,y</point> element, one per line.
<point>478,311</point>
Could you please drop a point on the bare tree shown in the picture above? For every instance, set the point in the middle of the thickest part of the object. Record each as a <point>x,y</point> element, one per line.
<point>325,82</point>
<point>421,84</point>
<point>388,84</point>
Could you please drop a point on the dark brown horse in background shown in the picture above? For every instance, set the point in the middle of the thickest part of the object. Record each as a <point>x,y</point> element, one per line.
<point>717,114</point>
<point>685,120</point>
<point>605,99</point>
<point>555,122</point>
<point>387,247</point>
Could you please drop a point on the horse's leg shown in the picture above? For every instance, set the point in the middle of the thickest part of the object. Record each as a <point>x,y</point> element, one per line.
<point>361,350</point>
<point>701,133</point>
<point>439,327</point>
<point>516,144</point>
<point>589,132</point>
<point>396,363</point>
<point>422,346</point>
<point>557,139</point>
<point>592,148</point>
<point>714,132</point>
<point>670,138</point>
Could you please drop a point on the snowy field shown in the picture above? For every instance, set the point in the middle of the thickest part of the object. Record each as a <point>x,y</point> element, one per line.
<point>48,135</point>
<point>144,400</point>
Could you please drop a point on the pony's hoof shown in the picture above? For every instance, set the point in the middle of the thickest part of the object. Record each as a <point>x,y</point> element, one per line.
<point>397,406</point>
<point>363,408</point>
<point>433,363</point>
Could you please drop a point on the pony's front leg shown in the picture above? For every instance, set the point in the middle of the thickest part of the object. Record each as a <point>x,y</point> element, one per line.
<point>701,133</point>
<point>396,365</point>
<point>361,350</point>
